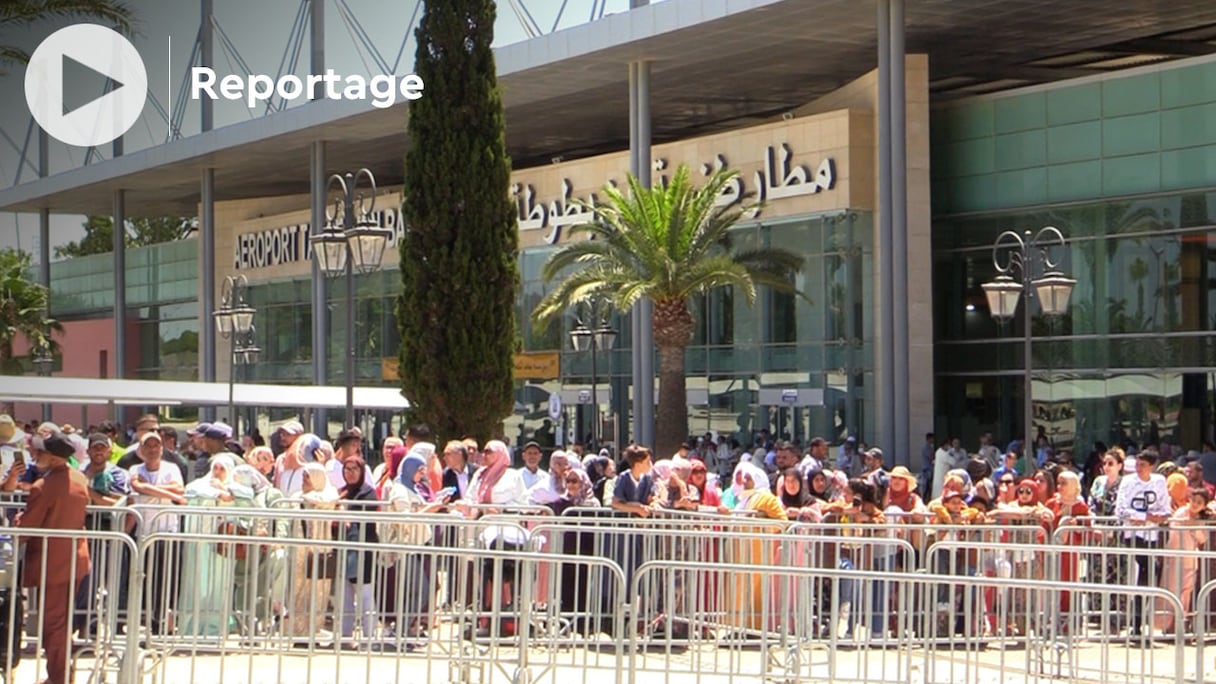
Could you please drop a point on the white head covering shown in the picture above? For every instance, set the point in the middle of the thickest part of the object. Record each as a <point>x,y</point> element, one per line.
<point>323,491</point>
<point>229,466</point>
<point>755,472</point>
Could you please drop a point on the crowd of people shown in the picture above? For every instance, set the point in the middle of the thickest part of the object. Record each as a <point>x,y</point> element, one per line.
<point>1149,502</point>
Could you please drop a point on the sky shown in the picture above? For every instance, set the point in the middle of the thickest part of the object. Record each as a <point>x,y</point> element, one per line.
<point>260,35</point>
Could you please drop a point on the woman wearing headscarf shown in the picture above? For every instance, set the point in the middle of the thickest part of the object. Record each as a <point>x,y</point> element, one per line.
<point>560,463</point>
<point>795,498</point>
<point>269,605</point>
<point>600,469</point>
<point>1067,504</point>
<point>206,595</point>
<point>314,569</point>
<point>750,487</point>
<point>262,459</point>
<point>663,486</point>
<point>701,491</point>
<point>406,588</point>
<point>494,487</point>
<point>386,472</point>
<point>385,475</point>
<point>359,567</point>
<point>494,483</point>
<point>1179,572</point>
<point>290,466</point>
<point>1025,521</point>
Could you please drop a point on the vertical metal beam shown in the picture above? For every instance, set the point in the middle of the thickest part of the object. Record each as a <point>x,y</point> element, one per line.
<point>206,227</point>
<point>317,176</point>
<point>120,283</point>
<point>635,327</point>
<point>316,43</point>
<point>885,377</point>
<point>320,289</point>
<point>642,328</point>
<point>645,307</point>
<point>44,215</point>
<point>642,333</point>
<point>901,379</point>
<point>206,59</point>
<point>44,237</point>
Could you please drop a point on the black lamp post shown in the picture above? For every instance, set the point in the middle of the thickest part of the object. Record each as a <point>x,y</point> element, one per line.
<point>234,321</point>
<point>1025,255</point>
<point>357,249</point>
<point>44,361</point>
<point>584,339</point>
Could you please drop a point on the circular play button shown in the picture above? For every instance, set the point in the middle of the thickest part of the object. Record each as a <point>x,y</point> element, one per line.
<point>86,85</point>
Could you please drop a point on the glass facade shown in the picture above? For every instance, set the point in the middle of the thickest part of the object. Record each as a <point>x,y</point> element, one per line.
<point>821,340</point>
<point>162,299</point>
<point>1135,356</point>
<point>283,325</point>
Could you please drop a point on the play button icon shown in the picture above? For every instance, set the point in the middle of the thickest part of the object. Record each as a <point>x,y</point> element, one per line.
<point>86,85</point>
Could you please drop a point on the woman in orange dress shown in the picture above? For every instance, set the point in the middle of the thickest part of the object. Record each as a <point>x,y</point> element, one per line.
<point>752,493</point>
<point>1067,503</point>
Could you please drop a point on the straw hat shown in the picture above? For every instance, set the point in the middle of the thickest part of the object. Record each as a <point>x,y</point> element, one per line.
<point>901,471</point>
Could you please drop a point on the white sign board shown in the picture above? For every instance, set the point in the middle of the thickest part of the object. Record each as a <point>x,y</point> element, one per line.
<point>791,397</point>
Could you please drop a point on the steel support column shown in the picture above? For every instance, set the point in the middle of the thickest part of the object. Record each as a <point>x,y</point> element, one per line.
<point>642,335</point>
<point>206,59</point>
<point>885,390</point>
<point>44,237</point>
<point>44,215</point>
<point>120,283</point>
<point>206,219</point>
<point>317,190</point>
<point>901,447</point>
<point>206,228</point>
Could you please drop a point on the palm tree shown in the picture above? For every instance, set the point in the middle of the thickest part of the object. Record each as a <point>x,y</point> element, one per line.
<point>670,244</point>
<point>23,307</point>
<point>16,15</point>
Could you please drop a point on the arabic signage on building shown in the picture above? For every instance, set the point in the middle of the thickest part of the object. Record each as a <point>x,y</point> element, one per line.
<point>780,178</point>
<point>803,166</point>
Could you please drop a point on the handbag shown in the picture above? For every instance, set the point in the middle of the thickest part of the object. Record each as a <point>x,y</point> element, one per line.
<point>239,551</point>
<point>321,564</point>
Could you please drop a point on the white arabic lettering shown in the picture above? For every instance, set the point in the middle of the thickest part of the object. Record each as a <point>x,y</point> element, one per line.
<point>778,178</point>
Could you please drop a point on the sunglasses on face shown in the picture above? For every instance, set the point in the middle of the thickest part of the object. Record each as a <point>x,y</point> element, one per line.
<point>1025,490</point>
<point>1110,463</point>
<point>1006,483</point>
<point>574,480</point>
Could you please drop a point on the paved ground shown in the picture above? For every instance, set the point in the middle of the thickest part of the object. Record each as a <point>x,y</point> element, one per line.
<point>597,662</point>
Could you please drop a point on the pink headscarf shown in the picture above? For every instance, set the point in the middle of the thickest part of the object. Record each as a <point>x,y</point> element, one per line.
<point>497,460</point>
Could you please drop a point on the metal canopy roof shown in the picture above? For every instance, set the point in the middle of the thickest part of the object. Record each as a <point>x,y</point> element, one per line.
<point>717,64</point>
<point>64,390</point>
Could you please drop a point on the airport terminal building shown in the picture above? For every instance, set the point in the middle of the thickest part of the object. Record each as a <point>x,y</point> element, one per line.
<point>1106,134</point>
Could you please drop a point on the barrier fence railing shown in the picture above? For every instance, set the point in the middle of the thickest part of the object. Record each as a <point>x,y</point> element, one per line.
<point>873,632</point>
<point>241,594</point>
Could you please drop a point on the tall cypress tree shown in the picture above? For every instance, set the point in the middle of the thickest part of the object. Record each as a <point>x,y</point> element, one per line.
<point>459,256</point>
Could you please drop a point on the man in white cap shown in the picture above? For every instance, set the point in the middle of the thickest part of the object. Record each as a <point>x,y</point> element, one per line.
<point>286,435</point>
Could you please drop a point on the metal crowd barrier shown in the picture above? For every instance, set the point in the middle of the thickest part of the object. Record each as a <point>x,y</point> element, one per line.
<point>241,594</point>
<point>50,620</point>
<point>868,631</point>
<point>1092,614</point>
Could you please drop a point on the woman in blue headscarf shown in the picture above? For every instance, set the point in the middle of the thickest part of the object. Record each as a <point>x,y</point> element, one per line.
<point>409,495</point>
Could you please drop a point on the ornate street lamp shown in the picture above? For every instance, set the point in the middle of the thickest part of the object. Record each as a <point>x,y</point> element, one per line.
<point>353,245</point>
<point>1025,254</point>
<point>234,321</point>
<point>583,339</point>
